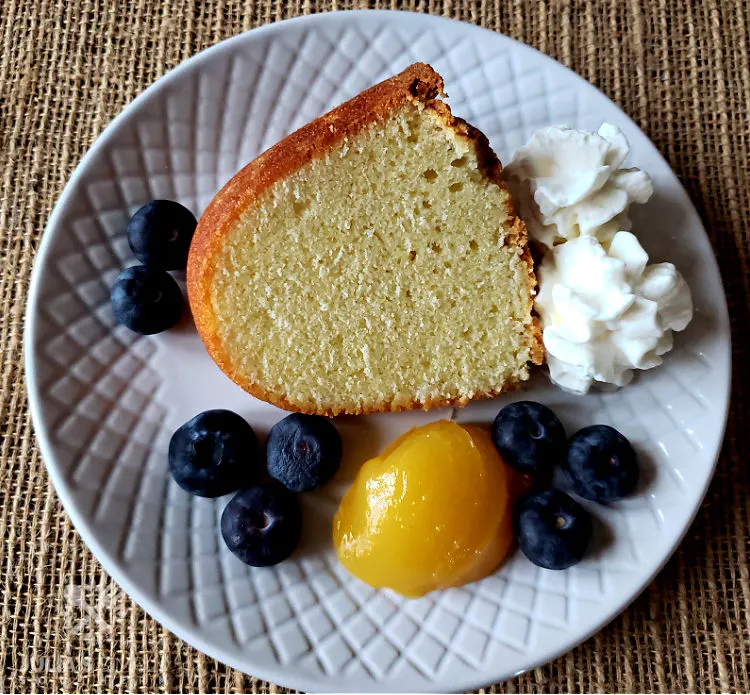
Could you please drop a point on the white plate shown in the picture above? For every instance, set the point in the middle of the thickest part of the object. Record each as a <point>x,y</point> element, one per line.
<point>105,401</point>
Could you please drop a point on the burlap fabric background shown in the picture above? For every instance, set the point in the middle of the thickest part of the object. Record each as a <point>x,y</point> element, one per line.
<point>681,69</point>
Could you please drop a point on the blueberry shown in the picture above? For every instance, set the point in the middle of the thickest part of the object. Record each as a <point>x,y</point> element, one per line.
<point>146,301</point>
<point>262,524</point>
<point>160,233</point>
<point>553,530</point>
<point>303,451</point>
<point>529,437</point>
<point>214,453</point>
<point>601,464</point>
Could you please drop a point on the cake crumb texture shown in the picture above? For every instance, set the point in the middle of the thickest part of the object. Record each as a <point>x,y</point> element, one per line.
<point>386,272</point>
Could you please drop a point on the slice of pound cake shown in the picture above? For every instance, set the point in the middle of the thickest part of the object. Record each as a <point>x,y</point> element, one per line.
<point>370,261</point>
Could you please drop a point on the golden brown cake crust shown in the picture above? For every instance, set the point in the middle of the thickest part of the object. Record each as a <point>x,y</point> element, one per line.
<point>419,82</point>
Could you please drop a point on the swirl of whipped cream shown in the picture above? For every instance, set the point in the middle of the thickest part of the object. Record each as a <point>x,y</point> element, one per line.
<point>605,312</point>
<point>567,183</point>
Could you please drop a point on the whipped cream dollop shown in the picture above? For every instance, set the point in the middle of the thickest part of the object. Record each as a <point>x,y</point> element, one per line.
<point>568,183</point>
<point>605,311</point>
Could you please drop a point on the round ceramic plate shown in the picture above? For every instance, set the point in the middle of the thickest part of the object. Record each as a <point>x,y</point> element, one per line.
<point>105,401</point>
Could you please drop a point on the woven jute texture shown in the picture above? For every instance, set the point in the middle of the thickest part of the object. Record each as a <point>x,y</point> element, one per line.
<point>681,69</point>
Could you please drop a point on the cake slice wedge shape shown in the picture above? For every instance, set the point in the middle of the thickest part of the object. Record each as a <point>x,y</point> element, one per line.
<point>370,261</point>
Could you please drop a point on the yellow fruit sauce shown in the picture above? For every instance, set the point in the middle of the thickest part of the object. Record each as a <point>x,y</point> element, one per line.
<point>432,511</point>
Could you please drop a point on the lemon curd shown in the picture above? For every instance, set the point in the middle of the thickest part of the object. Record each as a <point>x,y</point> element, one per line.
<point>432,511</point>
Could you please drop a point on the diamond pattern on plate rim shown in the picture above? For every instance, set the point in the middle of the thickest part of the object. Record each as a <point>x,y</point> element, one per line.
<point>110,424</point>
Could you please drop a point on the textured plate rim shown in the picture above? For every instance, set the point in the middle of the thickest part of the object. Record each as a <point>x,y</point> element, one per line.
<point>112,566</point>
